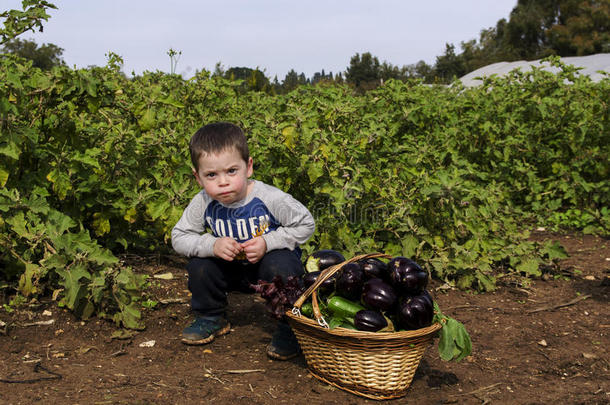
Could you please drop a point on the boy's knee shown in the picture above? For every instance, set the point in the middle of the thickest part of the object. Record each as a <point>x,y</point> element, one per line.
<point>200,268</point>
<point>282,262</point>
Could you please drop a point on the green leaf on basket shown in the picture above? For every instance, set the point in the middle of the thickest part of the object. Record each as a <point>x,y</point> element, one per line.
<point>335,322</point>
<point>462,340</point>
<point>454,342</point>
<point>446,346</point>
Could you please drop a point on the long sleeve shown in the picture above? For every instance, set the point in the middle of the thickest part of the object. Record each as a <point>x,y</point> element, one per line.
<point>188,237</point>
<point>296,222</point>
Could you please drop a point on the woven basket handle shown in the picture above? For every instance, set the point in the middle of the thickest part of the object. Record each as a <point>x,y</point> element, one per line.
<point>325,275</point>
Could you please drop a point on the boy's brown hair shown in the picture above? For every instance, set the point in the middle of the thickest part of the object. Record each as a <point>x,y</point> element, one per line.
<point>216,138</point>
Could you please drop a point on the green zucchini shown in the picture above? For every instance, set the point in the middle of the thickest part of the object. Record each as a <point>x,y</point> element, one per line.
<point>307,309</point>
<point>343,308</point>
<point>338,322</point>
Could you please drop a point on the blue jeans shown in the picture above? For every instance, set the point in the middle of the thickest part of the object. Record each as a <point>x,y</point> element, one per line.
<point>210,278</point>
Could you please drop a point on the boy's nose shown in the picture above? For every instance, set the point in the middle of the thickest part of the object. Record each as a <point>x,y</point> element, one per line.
<point>223,179</point>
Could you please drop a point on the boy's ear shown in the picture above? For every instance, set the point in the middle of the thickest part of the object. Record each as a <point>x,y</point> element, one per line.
<point>197,178</point>
<point>250,166</point>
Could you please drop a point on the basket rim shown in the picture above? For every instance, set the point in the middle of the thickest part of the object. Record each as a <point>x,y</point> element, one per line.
<point>358,334</point>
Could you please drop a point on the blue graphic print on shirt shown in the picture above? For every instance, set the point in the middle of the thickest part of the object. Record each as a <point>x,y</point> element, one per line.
<point>240,223</point>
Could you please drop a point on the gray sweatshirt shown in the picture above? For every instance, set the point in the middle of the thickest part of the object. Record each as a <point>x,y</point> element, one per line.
<point>266,211</point>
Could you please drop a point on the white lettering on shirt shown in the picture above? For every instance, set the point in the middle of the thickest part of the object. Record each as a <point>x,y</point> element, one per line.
<point>242,229</point>
<point>253,228</point>
<point>220,227</point>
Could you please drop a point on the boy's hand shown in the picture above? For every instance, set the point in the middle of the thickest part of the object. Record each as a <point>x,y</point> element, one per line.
<point>255,249</point>
<point>226,248</point>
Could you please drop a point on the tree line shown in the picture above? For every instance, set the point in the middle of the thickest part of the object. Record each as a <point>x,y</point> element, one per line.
<point>534,29</point>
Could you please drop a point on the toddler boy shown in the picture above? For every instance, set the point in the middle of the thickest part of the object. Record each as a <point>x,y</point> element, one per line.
<point>256,230</point>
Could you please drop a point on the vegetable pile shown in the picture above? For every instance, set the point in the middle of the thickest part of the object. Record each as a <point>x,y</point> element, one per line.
<point>368,295</point>
<point>371,295</point>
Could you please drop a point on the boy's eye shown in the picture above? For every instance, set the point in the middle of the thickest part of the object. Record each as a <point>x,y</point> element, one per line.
<point>210,175</point>
<point>232,170</point>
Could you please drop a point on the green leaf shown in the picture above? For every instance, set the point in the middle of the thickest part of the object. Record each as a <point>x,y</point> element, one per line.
<point>446,344</point>
<point>130,281</point>
<point>10,149</point>
<point>89,158</point>
<point>55,262</point>
<point>74,290</point>
<point>18,224</point>
<point>488,282</point>
<point>59,223</point>
<point>170,101</point>
<point>554,250</point>
<point>530,267</point>
<point>123,334</point>
<point>129,316</point>
<point>61,182</point>
<point>315,170</point>
<point>335,322</point>
<point>3,176</point>
<point>465,281</point>
<point>157,208</point>
<point>101,224</point>
<point>462,340</point>
<point>130,215</point>
<point>148,120</point>
<point>87,310</point>
<point>37,201</point>
<point>409,245</point>
<point>454,342</point>
<point>289,137</point>
<point>27,285</point>
<point>98,287</point>
<point>101,256</point>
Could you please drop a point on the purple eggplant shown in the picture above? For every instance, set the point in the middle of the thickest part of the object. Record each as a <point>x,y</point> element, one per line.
<point>415,312</point>
<point>322,259</point>
<point>350,282</point>
<point>374,268</point>
<point>406,276</point>
<point>370,320</point>
<point>379,295</point>
<point>326,287</point>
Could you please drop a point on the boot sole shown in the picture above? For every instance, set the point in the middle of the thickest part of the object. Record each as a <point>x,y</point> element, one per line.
<point>223,331</point>
<point>277,356</point>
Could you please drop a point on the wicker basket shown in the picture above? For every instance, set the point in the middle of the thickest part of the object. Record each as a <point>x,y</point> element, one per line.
<point>376,365</point>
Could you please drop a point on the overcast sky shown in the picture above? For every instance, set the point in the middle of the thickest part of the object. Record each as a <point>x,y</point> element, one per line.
<point>273,35</point>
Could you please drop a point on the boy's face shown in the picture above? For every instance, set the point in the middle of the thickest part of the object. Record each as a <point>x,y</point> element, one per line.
<point>224,175</point>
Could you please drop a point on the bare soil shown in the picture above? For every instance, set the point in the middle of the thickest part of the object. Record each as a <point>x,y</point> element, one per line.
<point>546,342</point>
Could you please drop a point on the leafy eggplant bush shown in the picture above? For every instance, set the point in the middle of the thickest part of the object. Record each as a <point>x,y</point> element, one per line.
<point>433,169</point>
